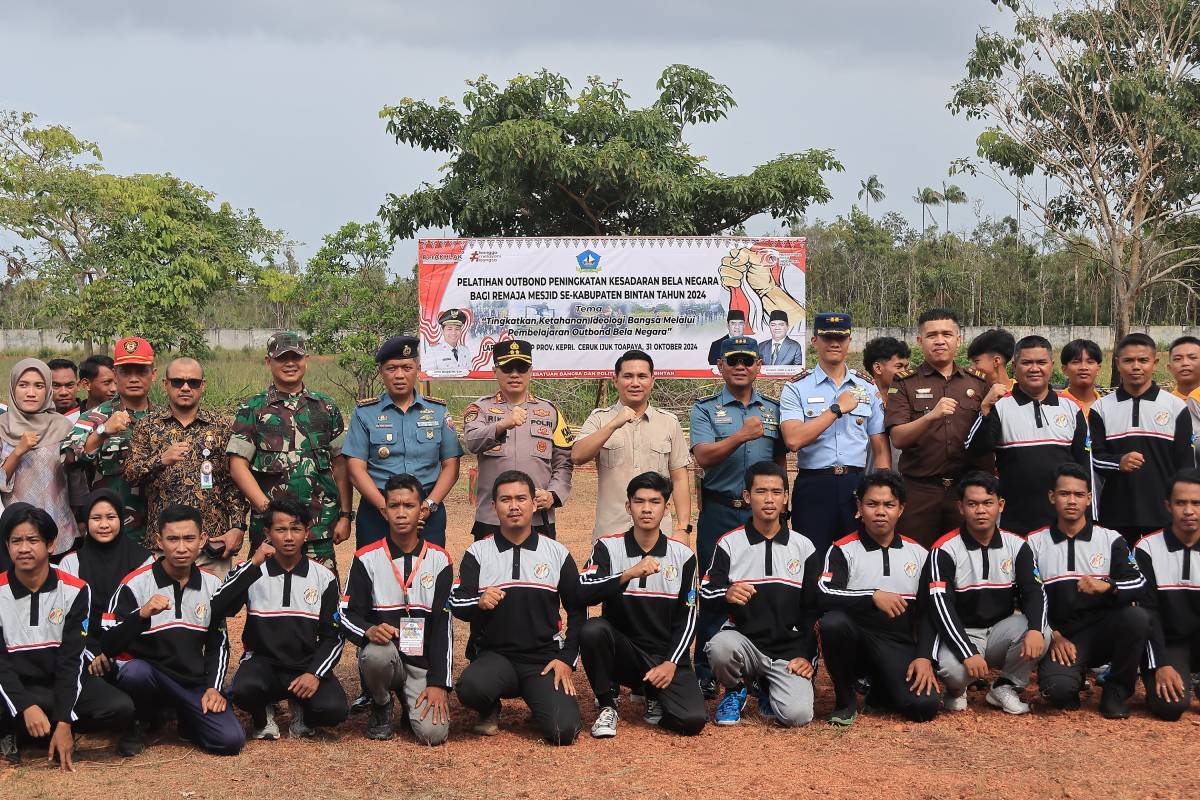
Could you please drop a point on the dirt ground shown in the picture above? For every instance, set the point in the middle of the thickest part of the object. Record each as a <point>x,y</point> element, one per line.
<point>974,754</point>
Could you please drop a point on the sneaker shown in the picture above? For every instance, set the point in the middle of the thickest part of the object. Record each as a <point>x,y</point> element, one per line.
<point>605,726</point>
<point>1113,703</point>
<point>299,729</point>
<point>9,750</point>
<point>729,710</point>
<point>489,723</point>
<point>956,702</point>
<point>132,741</point>
<point>654,711</point>
<point>708,688</point>
<point>360,703</point>
<point>269,730</point>
<point>862,686</point>
<point>1007,698</point>
<point>379,724</point>
<point>1100,674</point>
<point>843,717</point>
<point>764,703</point>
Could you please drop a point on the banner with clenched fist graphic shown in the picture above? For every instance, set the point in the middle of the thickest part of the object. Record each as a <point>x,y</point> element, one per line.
<point>582,302</point>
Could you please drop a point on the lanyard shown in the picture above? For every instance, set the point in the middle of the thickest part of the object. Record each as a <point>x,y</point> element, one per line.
<point>412,573</point>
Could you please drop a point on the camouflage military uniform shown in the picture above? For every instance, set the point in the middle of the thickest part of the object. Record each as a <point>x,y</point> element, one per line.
<point>290,442</point>
<point>109,462</point>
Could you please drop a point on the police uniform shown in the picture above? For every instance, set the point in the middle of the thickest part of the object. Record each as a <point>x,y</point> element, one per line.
<point>829,469</point>
<point>541,447</point>
<point>441,358</point>
<point>721,505</point>
<point>393,442</point>
<point>932,465</point>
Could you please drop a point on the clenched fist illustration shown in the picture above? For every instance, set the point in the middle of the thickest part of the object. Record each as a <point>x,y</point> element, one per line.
<point>754,268</point>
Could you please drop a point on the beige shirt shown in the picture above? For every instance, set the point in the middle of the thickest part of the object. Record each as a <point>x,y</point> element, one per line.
<point>654,443</point>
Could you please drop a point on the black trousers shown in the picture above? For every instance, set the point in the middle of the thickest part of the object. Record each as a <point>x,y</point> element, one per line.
<point>612,660</point>
<point>852,651</point>
<point>492,677</point>
<point>1119,639</point>
<point>823,507</point>
<point>1184,656</point>
<point>101,706</point>
<point>258,682</point>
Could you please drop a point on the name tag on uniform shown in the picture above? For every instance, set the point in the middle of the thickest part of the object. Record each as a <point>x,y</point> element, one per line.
<point>816,399</point>
<point>924,394</point>
<point>412,636</point>
<point>427,423</point>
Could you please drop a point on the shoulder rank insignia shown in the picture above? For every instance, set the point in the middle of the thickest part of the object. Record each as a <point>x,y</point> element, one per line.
<point>437,400</point>
<point>863,376</point>
<point>976,373</point>
<point>908,373</point>
<point>799,376</point>
<point>368,401</point>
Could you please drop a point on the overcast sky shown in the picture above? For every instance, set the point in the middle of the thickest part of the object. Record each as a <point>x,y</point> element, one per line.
<point>273,104</point>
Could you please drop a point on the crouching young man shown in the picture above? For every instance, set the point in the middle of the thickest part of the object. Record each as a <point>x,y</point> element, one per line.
<point>763,578</point>
<point>647,583</point>
<point>395,611</point>
<point>291,638</point>
<point>161,619</point>
<point>512,585</point>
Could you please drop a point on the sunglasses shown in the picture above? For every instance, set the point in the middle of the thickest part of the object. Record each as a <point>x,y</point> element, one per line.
<point>191,383</point>
<point>519,366</point>
<point>738,360</point>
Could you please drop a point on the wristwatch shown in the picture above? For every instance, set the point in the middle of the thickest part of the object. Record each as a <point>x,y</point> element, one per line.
<point>432,505</point>
<point>688,529</point>
<point>837,410</point>
<point>101,430</point>
<point>346,515</point>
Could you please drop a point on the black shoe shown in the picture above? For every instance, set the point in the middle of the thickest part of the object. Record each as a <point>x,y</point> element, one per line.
<point>708,687</point>
<point>1113,703</point>
<point>862,686</point>
<point>360,704</point>
<point>132,741</point>
<point>379,724</point>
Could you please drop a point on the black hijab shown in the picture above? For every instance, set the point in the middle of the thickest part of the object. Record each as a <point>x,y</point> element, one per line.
<point>7,522</point>
<point>103,564</point>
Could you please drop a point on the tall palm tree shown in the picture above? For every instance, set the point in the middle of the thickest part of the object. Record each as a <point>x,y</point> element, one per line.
<point>927,197</point>
<point>952,194</point>
<point>871,189</point>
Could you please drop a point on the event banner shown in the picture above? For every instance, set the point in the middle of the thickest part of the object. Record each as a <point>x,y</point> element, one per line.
<point>583,302</point>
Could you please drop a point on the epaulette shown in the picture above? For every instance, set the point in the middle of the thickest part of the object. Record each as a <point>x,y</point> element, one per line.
<point>433,399</point>
<point>975,372</point>
<point>799,376</point>
<point>710,397</point>
<point>862,376</point>
<point>367,401</point>
<point>908,373</point>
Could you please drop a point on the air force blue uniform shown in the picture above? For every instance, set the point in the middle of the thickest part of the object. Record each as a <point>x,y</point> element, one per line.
<point>393,442</point>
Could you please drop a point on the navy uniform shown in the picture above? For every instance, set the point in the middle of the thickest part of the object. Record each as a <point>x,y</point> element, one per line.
<point>541,447</point>
<point>418,441</point>
<point>828,469</point>
<point>722,508</point>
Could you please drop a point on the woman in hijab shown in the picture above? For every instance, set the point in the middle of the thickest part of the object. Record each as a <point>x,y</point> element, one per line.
<point>31,435</point>
<point>104,557</point>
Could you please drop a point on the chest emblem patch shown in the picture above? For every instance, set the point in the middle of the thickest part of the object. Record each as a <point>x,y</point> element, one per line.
<point>1061,420</point>
<point>1162,417</point>
<point>1006,566</point>
<point>201,611</point>
<point>670,572</point>
<point>910,569</point>
<point>55,616</point>
<point>1097,560</point>
<point>793,566</point>
<point>310,595</point>
<point>542,570</point>
<point>427,580</point>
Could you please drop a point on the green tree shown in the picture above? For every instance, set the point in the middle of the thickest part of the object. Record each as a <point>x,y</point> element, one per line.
<point>350,303</point>
<point>118,254</point>
<point>952,195</point>
<point>871,189</point>
<point>533,158</point>
<point>1103,99</point>
<point>928,197</point>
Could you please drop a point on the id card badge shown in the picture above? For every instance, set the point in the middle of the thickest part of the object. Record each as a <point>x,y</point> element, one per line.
<point>206,475</point>
<point>412,636</point>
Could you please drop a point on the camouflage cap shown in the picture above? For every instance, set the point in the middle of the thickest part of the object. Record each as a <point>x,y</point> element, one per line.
<point>285,342</point>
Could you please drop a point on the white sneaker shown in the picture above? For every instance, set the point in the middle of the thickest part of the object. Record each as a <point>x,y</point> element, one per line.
<point>654,712</point>
<point>953,702</point>
<point>270,730</point>
<point>1007,698</point>
<point>489,723</point>
<point>605,726</point>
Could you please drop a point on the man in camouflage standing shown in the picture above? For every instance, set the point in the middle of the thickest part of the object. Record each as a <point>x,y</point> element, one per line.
<point>101,435</point>
<point>288,440</point>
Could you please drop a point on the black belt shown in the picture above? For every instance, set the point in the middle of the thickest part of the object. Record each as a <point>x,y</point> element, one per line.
<point>838,470</point>
<point>944,481</point>
<point>724,499</point>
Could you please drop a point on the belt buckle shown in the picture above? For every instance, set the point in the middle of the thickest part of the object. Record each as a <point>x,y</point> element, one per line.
<point>737,502</point>
<point>947,482</point>
<point>838,469</point>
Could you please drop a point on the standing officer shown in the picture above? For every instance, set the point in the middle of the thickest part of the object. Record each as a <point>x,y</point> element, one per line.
<point>929,412</point>
<point>730,431</point>
<point>287,439</point>
<point>451,355</point>
<point>833,418</point>
<point>101,436</point>
<point>401,432</point>
<point>513,430</point>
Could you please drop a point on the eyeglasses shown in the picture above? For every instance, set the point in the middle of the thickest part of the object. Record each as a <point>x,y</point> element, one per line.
<point>520,366</point>
<point>738,360</point>
<point>191,383</point>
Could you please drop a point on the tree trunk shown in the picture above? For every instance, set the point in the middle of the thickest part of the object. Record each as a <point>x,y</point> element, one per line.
<point>1124,299</point>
